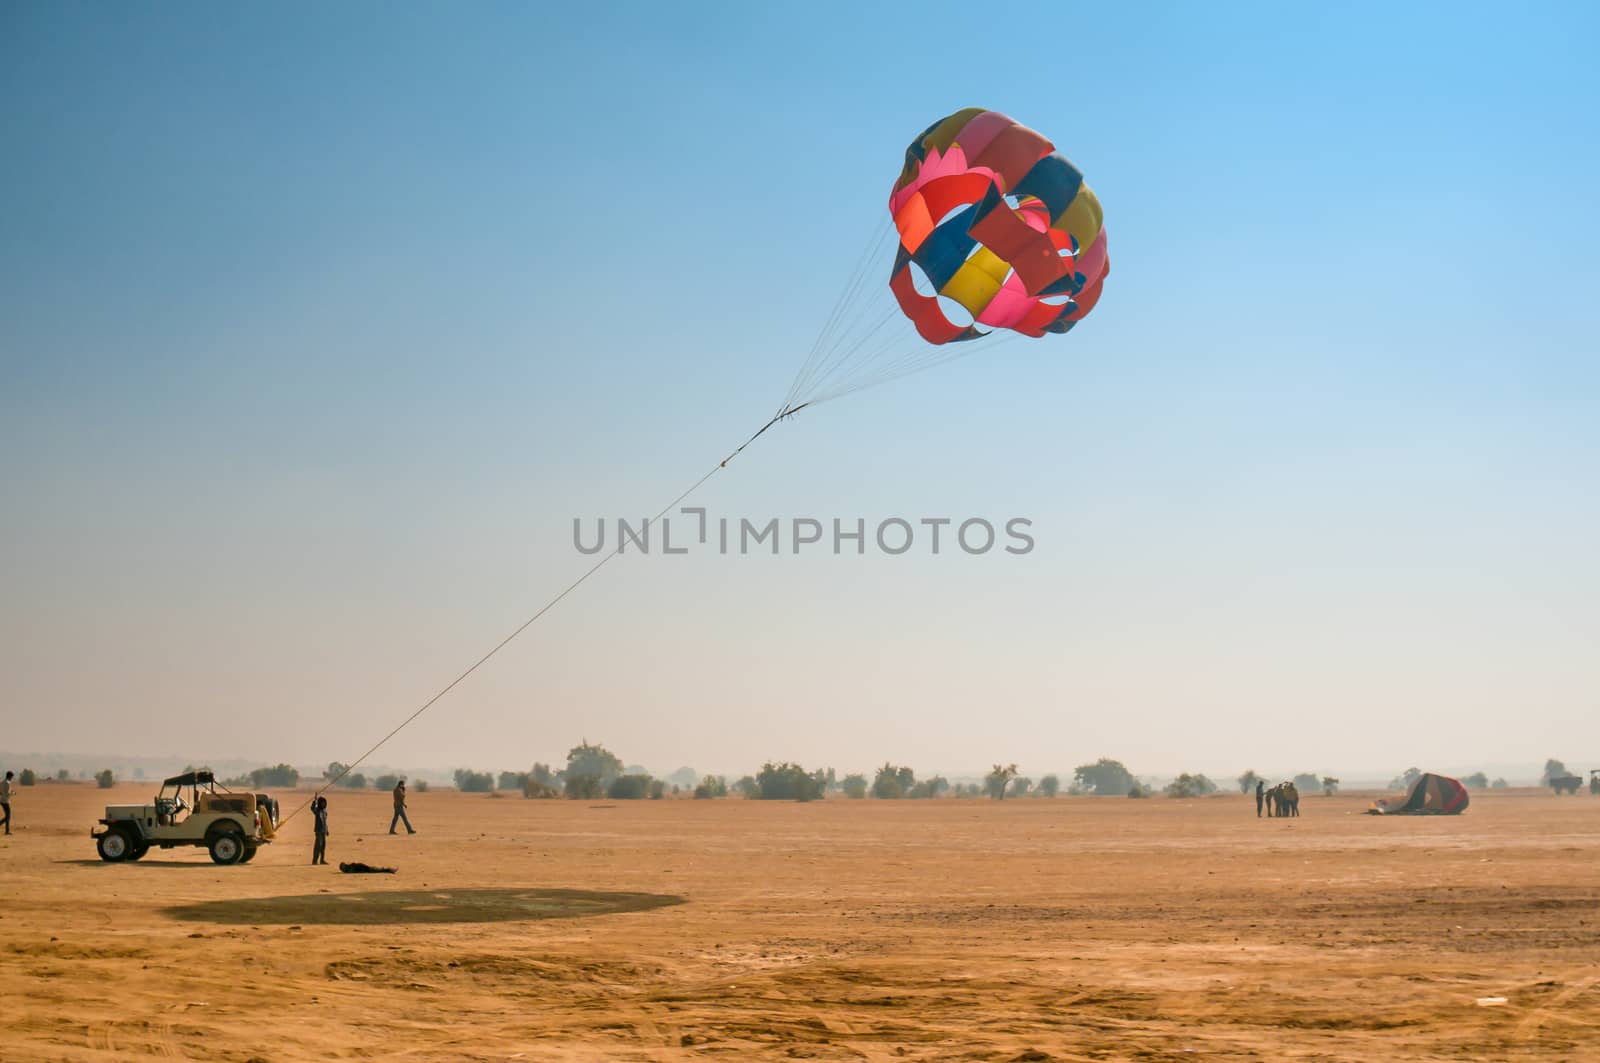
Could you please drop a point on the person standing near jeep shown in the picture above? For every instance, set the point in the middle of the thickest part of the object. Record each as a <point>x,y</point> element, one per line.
<point>319,820</point>
<point>400,808</point>
<point>5,799</point>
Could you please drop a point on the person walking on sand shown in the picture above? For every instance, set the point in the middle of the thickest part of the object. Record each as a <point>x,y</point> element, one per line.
<point>400,808</point>
<point>1261,796</point>
<point>5,799</point>
<point>319,820</point>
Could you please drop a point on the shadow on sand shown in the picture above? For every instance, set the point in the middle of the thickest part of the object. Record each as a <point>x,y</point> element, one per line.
<point>413,907</point>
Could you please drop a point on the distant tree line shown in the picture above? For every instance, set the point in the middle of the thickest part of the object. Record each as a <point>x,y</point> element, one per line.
<point>593,772</point>
<point>29,777</point>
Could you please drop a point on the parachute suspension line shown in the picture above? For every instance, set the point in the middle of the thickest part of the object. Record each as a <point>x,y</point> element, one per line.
<point>869,322</point>
<point>920,361</point>
<point>917,359</point>
<point>847,312</point>
<point>788,410</point>
<point>829,337</point>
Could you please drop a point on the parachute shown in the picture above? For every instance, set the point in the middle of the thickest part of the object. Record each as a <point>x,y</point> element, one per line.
<point>1430,795</point>
<point>997,233</point>
<point>1000,222</point>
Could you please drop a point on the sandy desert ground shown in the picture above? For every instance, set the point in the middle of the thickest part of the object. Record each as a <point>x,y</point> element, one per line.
<point>929,930</point>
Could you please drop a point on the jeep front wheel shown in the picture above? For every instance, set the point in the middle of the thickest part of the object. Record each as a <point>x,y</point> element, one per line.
<point>226,847</point>
<point>249,854</point>
<point>114,845</point>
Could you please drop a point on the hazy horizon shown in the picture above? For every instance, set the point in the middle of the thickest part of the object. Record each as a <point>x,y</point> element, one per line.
<point>305,379</point>
<point>83,766</point>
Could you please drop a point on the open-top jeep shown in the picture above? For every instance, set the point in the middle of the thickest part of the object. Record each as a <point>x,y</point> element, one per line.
<point>232,826</point>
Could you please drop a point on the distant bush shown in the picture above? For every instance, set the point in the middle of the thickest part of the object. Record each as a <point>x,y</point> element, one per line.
<point>925,788</point>
<point>854,786</point>
<point>711,786</point>
<point>1476,781</point>
<point>341,776</point>
<point>1049,786</point>
<point>1307,782</point>
<point>788,782</point>
<point>658,789</point>
<point>386,782</point>
<point>748,787</point>
<point>1105,776</point>
<point>1248,780</point>
<point>584,787</point>
<point>595,761</point>
<point>892,782</point>
<point>473,782</point>
<point>1187,785</point>
<point>1020,787</point>
<point>420,786</point>
<point>629,788</point>
<point>26,778</point>
<point>62,776</point>
<point>277,775</point>
<point>542,775</point>
<point>1138,791</point>
<point>512,780</point>
<point>998,781</point>
<point>534,788</point>
<point>1499,784</point>
<point>105,780</point>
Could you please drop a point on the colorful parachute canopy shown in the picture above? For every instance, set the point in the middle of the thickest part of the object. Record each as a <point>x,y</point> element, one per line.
<point>1000,222</point>
<point>1431,795</point>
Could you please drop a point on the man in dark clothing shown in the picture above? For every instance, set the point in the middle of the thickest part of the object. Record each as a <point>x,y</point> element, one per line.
<point>400,808</point>
<point>319,818</point>
<point>1261,796</point>
<point>5,799</point>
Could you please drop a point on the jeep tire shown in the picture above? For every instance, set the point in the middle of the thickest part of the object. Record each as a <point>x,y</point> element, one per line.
<point>226,846</point>
<point>115,845</point>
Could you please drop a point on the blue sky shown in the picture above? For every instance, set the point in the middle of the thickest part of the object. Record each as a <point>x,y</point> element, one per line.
<point>318,327</point>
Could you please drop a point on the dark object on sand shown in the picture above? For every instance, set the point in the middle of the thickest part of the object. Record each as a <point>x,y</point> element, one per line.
<point>1431,795</point>
<point>365,869</point>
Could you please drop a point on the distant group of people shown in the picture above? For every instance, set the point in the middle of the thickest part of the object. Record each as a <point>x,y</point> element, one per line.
<point>1280,800</point>
<point>319,823</point>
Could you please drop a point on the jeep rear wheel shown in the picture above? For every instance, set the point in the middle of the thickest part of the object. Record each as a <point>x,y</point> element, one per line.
<point>138,850</point>
<point>249,854</point>
<point>226,847</point>
<point>114,845</point>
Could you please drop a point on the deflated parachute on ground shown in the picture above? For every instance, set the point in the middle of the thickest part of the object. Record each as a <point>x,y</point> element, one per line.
<point>1431,795</point>
<point>998,221</point>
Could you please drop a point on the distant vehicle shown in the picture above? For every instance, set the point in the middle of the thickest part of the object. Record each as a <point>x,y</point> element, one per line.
<point>1566,784</point>
<point>231,826</point>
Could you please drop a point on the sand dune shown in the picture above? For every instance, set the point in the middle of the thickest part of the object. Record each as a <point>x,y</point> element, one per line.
<point>934,930</point>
